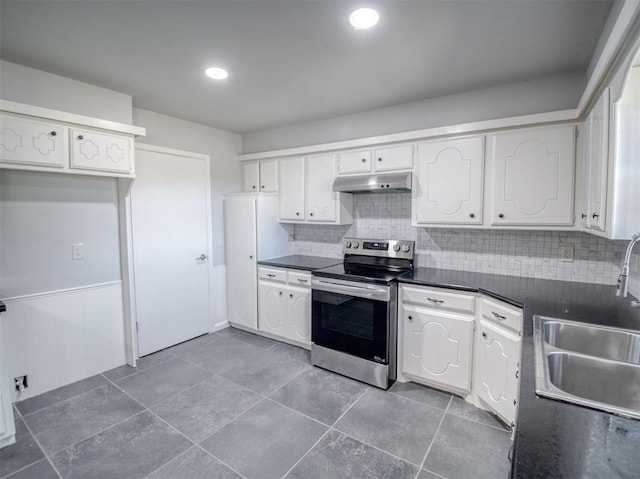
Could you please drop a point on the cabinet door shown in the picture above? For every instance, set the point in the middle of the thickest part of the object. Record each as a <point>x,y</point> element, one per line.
<point>533,176</point>
<point>437,346</point>
<point>299,314</point>
<point>321,199</point>
<point>388,158</point>
<point>240,248</point>
<point>597,151</point>
<point>250,176</point>
<point>498,365</point>
<point>354,162</point>
<point>269,176</point>
<point>31,142</point>
<point>100,151</point>
<point>272,308</point>
<point>292,189</point>
<point>449,180</point>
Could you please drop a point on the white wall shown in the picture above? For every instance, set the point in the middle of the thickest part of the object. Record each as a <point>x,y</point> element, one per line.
<point>41,215</point>
<point>221,146</point>
<point>513,99</point>
<point>35,87</point>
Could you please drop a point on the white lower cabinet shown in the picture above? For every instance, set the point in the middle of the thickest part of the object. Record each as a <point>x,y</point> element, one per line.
<point>284,305</point>
<point>498,369</point>
<point>447,342</point>
<point>437,347</point>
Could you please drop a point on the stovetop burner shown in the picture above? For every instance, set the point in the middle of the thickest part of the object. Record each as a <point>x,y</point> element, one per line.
<point>371,261</point>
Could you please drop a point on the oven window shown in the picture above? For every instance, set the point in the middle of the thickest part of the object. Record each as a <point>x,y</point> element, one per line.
<point>356,326</point>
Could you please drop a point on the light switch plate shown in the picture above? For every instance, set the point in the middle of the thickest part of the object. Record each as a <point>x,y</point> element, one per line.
<point>77,251</point>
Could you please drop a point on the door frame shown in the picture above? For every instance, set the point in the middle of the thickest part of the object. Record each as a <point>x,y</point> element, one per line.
<point>131,320</point>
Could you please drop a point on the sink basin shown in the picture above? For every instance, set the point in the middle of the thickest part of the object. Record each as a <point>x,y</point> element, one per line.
<point>602,342</point>
<point>590,365</point>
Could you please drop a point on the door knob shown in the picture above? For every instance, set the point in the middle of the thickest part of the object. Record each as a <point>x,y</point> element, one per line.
<point>202,257</point>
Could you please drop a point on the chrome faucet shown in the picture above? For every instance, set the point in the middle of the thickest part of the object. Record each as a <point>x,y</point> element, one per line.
<point>622,286</point>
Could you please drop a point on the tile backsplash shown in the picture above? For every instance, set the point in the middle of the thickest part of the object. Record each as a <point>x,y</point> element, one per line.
<point>534,254</point>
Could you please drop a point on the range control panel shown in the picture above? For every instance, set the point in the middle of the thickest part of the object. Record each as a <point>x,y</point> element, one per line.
<point>381,248</point>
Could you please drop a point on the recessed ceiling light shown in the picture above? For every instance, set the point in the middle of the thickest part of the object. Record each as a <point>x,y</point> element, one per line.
<point>216,73</point>
<point>363,18</point>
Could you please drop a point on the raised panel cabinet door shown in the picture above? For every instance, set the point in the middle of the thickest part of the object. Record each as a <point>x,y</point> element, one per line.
<point>533,176</point>
<point>598,163</point>
<point>437,347</point>
<point>292,189</point>
<point>450,175</point>
<point>100,151</point>
<point>322,202</point>
<point>269,176</point>
<point>498,365</point>
<point>272,307</point>
<point>389,158</point>
<point>32,142</point>
<point>299,314</point>
<point>354,162</point>
<point>250,177</point>
<point>240,254</point>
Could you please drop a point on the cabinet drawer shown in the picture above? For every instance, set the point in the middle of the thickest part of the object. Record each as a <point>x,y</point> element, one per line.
<point>299,278</point>
<point>438,298</point>
<point>272,274</point>
<point>502,314</point>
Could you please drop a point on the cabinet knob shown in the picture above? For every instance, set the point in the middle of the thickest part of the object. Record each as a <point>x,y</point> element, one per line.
<point>250,256</point>
<point>595,215</point>
<point>379,159</point>
<point>280,293</point>
<point>364,160</point>
<point>484,335</point>
<point>410,318</point>
<point>253,186</point>
<point>290,295</point>
<point>310,214</point>
<point>472,215</point>
<point>583,215</point>
<point>297,213</point>
<point>53,133</point>
<point>262,186</point>
<point>80,137</point>
<point>501,215</point>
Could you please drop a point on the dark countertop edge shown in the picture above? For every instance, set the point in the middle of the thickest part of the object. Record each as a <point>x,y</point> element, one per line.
<point>300,262</point>
<point>3,307</point>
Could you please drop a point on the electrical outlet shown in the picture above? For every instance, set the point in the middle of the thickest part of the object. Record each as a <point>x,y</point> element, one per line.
<point>635,263</point>
<point>77,251</point>
<point>21,383</point>
<point>566,253</point>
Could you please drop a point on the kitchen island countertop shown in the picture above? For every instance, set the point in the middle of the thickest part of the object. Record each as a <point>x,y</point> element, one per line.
<point>555,439</point>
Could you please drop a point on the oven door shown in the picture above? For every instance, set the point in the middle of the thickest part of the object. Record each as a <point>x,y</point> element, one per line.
<point>352,318</point>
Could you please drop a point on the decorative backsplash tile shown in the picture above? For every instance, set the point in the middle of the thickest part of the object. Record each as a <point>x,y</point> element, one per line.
<point>532,254</point>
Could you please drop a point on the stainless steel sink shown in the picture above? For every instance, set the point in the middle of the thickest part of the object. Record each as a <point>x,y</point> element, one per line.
<point>590,365</point>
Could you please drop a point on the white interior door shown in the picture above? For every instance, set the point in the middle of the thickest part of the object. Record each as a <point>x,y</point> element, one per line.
<point>171,238</point>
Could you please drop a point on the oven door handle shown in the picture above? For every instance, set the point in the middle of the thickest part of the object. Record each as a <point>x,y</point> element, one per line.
<point>365,292</point>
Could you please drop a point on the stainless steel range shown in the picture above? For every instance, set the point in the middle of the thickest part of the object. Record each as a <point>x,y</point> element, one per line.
<point>354,310</point>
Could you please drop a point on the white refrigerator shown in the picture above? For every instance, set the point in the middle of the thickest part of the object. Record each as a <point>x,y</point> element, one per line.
<point>252,233</point>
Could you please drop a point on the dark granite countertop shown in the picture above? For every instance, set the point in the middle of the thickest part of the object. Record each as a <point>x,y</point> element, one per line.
<point>3,308</point>
<point>297,261</point>
<point>555,439</point>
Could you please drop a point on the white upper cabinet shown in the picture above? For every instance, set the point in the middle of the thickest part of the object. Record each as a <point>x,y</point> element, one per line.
<point>306,192</point>
<point>260,176</point>
<point>532,174</point>
<point>385,158</point>
<point>448,182</point>
<point>91,150</point>
<point>32,142</point>
<point>292,190</point>
<point>251,176</point>
<point>354,162</point>
<point>321,199</point>
<point>391,158</point>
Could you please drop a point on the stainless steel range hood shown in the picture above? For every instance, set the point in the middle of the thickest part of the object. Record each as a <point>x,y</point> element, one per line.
<point>379,183</point>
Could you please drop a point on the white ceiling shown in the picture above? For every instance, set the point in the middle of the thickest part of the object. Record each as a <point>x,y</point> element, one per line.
<point>297,60</point>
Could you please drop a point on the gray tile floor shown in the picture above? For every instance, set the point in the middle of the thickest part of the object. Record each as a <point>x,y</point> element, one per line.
<point>232,404</point>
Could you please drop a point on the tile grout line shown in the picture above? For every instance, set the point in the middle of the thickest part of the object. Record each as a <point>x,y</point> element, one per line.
<point>420,402</point>
<point>46,456</point>
<point>433,440</point>
<point>62,400</point>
